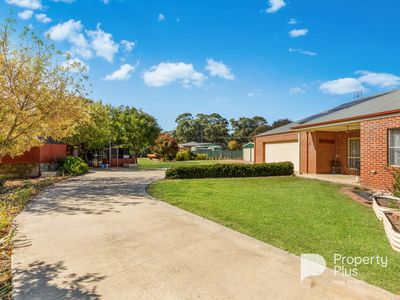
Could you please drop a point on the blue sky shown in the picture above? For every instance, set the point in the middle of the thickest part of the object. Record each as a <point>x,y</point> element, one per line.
<point>276,58</point>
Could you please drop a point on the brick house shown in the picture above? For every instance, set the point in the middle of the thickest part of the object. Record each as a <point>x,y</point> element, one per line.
<point>360,138</point>
<point>35,161</point>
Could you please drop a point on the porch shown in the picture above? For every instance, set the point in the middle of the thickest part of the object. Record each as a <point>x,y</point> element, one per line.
<point>332,151</point>
<point>334,178</point>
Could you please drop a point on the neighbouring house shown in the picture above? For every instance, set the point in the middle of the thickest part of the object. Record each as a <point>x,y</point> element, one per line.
<point>360,138</point>
<point>35,162</point>
<point>248,152</point>
<point>195,146</point>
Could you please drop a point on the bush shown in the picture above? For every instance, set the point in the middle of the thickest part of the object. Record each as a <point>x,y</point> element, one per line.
<point>233,145</point>
<point>201,156</point>
<point>396,183</point>
<point>74,166</point>
<point>184,154</point>
<point>231,170</point>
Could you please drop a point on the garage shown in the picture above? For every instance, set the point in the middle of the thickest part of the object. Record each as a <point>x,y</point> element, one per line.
<point>287,151</point>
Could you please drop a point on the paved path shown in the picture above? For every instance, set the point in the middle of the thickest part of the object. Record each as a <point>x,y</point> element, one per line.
<point>98,236</point>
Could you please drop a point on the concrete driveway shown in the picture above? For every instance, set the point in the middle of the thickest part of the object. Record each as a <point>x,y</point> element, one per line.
<point>99,236</point>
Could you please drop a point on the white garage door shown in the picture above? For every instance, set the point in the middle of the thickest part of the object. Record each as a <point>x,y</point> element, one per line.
<point>278,152</point>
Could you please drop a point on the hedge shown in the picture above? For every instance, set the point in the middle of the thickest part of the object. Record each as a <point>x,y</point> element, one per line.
<point>231,170</point>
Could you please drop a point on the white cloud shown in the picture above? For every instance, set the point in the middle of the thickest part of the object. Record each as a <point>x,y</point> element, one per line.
<point>381,80</point>
<point>71,31</point>
<point>297,90</point>
<point>250,94</point>
<point>218,68</point>
<point>350,85</point>
<point>161,18</point>
<point>342,86</point>
<point>43,18</point>
<point>105,1</point>
<point>31,4</point>
<point>301,51</point>
<point>26,14</point>
<point>298,32</point>
<point>166,73</point>
<point>123,73</point>
<point>293,21</point>
<point>275,5</point>
<point>103,44</point>
<point>65,1</point>
<point>127,45</point>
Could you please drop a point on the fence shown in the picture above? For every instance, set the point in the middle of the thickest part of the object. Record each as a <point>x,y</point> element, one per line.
<point>222,154</point>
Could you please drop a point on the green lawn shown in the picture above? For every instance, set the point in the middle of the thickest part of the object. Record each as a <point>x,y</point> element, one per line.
<point>295,214</point>
<point>147,164</point>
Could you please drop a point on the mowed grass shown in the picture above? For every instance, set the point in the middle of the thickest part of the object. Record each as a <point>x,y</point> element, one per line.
<point>147,164</point>
<point>295,214</point>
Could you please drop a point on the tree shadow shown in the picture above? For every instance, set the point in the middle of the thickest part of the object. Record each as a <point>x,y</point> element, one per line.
<point>38,281</point>
<point>92,194</point>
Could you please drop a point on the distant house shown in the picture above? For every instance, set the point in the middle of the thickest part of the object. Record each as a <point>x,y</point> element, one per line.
<point>35,161</point>
<point>361,138</point>
<point>195,146</point>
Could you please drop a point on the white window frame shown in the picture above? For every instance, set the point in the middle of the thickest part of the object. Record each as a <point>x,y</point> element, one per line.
<point>348,152</point>
<point>389,142</point>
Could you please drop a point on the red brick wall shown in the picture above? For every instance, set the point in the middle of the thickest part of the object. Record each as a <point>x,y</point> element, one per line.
<point>259,143</point>
<point>375,172</point>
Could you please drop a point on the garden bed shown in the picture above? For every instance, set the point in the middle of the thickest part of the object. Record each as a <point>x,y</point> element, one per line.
<point>385,204</point>
<point>391,223</point>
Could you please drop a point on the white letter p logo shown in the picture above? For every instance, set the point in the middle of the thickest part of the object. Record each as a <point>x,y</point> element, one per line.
<point>311,265</point>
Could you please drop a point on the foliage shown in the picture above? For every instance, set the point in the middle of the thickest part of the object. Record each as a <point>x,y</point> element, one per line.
<point>233,145</point>
<point>74,166</point>
<point>245,128</point>
<point>396,183</point>
<point>201,156</point>
<point>14,197</point>
<point>231,170</point>
<point>295,214</point>
<point>212,128</point>
<point>41,92</point>
<point>184,154</point>
<point>280,122</point>
<point>133,128</point>
<point>166,147</point>
<point>94,132</point>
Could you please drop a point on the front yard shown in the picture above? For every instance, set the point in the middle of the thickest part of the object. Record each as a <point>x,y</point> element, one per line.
<point>294,214</point>
<point>147,164</point>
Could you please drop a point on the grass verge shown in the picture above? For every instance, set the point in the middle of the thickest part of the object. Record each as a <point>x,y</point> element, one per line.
<point>148,164</point>
<point>295,214</point>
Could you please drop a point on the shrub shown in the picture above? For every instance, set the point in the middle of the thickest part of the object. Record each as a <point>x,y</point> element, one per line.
<point>201,156</point>
<point>166,147</point>
<point>233,145</point>
<point>231,170</point>
<point>74,166</point>
<point>184,154</point>
<point>396,183</point>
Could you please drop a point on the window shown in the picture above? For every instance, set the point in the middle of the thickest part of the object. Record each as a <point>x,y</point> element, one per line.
<point>394,147</point>
<point>354,153</point>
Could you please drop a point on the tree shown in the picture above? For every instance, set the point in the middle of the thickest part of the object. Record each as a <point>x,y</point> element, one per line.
<point>188,128</point>
<point>41,94</point>
<point>166,147</point>
<point>214,128</point>
<point>134,128</point>
<point>233,145</point>
<point>280,122</point>
<point>245,128</point>
<point>95,132</point>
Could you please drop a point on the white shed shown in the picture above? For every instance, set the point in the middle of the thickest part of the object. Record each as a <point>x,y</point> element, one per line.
<point>248,152</point>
